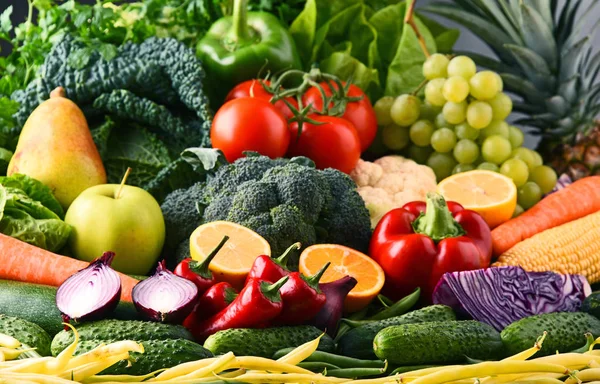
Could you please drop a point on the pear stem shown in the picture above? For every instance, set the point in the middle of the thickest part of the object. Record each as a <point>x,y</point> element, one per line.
<point>127,172</point>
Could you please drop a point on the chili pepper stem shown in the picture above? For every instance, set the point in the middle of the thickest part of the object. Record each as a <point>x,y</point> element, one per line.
<point>437,222</point>
<point>201,267</point>
<point>282,260</point>
<point>271,291</point>
<point>313,281</point>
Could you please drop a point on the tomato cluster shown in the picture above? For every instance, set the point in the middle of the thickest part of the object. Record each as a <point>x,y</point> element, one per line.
<point>248,121</point>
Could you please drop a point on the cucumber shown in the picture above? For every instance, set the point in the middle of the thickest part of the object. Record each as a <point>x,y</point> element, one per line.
<point>566,332</point>
<point>37,304</point>
<point>111,329</point>
<point>358,342</point>
<point>438,343</point>
<point>591,304</point>
<point>27,333</point>
<point>158,354</point>
<point>265,342</point>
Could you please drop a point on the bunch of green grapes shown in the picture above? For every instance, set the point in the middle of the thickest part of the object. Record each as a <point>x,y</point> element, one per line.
<point>460,126</point>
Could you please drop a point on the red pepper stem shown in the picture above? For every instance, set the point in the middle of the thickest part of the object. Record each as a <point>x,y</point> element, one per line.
<point>229,294</point>
<point>282,260</point>
<point>201,267</point>
<point>437,222</point>
<point>313,281</point>
<point>271,291</point>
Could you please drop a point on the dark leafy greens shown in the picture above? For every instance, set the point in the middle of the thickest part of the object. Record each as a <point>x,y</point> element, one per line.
<point>29,212</point>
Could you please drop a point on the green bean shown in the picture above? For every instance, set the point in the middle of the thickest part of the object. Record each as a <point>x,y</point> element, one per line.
<point>399,308</point>
<point>343,328</point>
<point>351,373</point>
<point>338,360</point>
<point>410,368</point>
<point>317,366</point>
<point>385,301</point>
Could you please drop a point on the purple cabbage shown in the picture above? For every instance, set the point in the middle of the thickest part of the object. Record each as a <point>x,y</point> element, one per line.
<point>500,296</point>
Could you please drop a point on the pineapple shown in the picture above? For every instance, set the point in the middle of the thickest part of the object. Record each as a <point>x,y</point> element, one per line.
<point>548,63</point>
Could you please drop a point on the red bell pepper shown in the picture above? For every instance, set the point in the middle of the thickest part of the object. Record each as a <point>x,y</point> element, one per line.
<point>271,269</point>
<point>197,271</point>
<point>213,301</point>
<point>302,298</point>
<point>257,304</point>
<point>416,244</point>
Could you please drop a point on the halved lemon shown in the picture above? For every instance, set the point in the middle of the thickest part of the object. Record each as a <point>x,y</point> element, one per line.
<point>492,195</point>
<point>345,261</point>
<point>233,262</point>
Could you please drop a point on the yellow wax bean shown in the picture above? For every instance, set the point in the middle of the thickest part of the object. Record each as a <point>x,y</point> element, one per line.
<point>103,351</point>
<point>300,353</point>
<point>585,376</point>
<point>121,378</point>
<point>9,341</point>
<point>261,363</point>
<point>217,365</point>
<point>185,368</point>
<point>90,369</point>
<point>11,354</point>
<point>286,378</point>
<point>35,378</point>
<point>526,354</point>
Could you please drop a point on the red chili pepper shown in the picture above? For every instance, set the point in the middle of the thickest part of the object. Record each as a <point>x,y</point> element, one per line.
<point>197,271</point>
<point>271,269</point>
<point>416,244</point>
<point>258,303</point>
<point>213,301</point>
<point>302,298</point>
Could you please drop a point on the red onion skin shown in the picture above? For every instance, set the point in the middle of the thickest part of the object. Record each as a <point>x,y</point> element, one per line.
<point>335,292</point>
<point>101,311</point>
<point>177,315</point>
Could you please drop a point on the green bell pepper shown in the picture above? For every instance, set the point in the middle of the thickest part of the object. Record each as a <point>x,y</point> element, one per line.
<point>239,47</point>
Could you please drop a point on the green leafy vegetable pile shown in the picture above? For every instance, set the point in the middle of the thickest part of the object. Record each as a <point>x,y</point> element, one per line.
<point>144,106</point>
<point>283,200</point>
<point>30,213</point>
<point>368,42</point>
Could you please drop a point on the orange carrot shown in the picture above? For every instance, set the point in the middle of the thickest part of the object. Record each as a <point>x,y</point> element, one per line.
<point>27,263</point>
<point>574,202</point>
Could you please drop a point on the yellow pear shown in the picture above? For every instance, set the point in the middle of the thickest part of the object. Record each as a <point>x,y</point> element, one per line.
<point>56,147</point>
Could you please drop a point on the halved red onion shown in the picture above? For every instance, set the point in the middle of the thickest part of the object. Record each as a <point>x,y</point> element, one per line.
<point>90,293</point>
<point>164,296</point>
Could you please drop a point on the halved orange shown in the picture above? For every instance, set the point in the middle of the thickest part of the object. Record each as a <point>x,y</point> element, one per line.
<point>345,261</point>
<point>233,262</point>
<point>492,195</point>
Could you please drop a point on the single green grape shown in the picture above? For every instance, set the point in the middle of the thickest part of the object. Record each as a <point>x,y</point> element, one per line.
<point>501,106</point>
<point>484,85</point>
<point>420,133</point>
<point>499,81</point>
<point>537,159</point>
<point>526,155</point>
<point>440,122</point>
<point>443,140</point>
<point>462,66</point>
<point>435,66</point>
<point>455,113</point>
<point>517,170</point>
<point>544,177</point>
<point>496,127</point>
<point>479,114</point>
<point>518,211</point>
<point>428,111</point>
<point>486,166</point>
<point>466,151</point>
<point>405,110</point>
<point>529,194</point>
<point>515,136</point>
<point>456,89</point>
<point>383,109</point>
<point>460,168</point>
<point>434,92</point>
<point>419,154</point>
<point>395,137</point>
<point>465,131</point>
<point>496,149</point>
<point>442,164</point>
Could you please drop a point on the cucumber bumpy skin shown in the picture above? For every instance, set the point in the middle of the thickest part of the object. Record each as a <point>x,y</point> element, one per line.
<point>266,341</point>
<point>27,333</point>
<point>566,332</point>
<point>438,343</point>
<point>358,342</point>
<point>157,354</point>
<point>111,329</point>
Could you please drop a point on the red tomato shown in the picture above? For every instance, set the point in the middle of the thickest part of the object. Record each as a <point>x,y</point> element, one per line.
<point>334,144</point>
<point>250,124</point>
<point>360,113</point>
<point>254,88</point>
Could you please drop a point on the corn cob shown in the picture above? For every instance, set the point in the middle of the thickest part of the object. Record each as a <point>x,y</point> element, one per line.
<point>571,248</point>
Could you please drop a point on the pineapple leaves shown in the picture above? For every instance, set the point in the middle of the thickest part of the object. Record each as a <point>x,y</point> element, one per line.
<point>494,10</point>
<point>571,59</point>
<point>523,87</point>
<point>567,20</point>
<point>558,105</point>
<point>592,70</point>
<point>490,63</point>
<point>543,8</point>
<point>535,67</point>
<point>538,35</point>
<point>527,108</point>
<point>568,89</point>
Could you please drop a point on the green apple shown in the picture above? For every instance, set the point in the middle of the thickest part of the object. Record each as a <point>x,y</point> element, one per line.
<point>120,218</point>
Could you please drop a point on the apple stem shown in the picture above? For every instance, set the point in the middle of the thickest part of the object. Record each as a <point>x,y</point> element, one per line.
<point>127,172</point>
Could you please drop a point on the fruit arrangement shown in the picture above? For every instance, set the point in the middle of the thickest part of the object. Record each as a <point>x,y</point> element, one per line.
<point>196,193</point>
